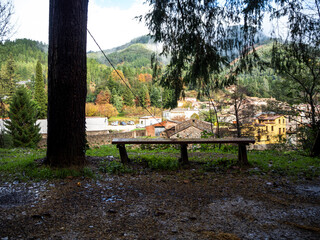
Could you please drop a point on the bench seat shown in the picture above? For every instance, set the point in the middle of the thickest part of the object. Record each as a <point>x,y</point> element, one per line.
<point>242,142</point>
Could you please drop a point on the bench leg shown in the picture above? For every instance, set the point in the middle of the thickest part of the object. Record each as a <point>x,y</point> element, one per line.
<point>184,155</point>
<point>242,155</point>
<point>123,153</point>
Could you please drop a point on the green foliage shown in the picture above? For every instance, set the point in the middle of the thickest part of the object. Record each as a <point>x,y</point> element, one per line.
<point>128,98</point>
<point>19,164</point>
<point>22,124</point>
<point>135,55</point>
<point>117,102</point>
<point>155,96</point>
<point>113,167</point>
<point>102,151</point>
<point>25,54</point>
<point>39,93</point>
<point>168,99</point>
<point>283,163</point>
<point>307,137</point>
<point>5,140</point>
<point>202,41</point>
<point>8,78</point>
<point>143,97</point>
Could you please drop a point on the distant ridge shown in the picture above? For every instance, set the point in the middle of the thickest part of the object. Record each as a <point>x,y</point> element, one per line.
<point>143,39</point>
<point>135,53</point>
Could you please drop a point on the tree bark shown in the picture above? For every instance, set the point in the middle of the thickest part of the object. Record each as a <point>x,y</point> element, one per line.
<point>67,86</point>
<point>315,152</point>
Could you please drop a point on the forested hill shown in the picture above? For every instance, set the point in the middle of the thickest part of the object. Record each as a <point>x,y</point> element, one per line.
<point>25,53</point>
<point>136,53</point>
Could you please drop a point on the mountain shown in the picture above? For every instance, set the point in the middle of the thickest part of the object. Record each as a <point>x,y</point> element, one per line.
<point>136,53</point>
<point>143,40</point>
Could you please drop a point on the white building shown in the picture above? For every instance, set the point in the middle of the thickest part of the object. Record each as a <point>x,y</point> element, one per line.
<point>149,120</point>
<point>179,112</point>
<point>92,124</point>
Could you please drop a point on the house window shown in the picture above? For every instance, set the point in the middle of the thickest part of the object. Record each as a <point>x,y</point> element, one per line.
<point>279,130</point>
<point>279,121</point>
<point>141,122</point>
<point>283,130</point>
<point>282,120</point>
<point>272,128</point>
<point>267,128</point>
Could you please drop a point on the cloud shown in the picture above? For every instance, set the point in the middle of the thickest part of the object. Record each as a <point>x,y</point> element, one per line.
<point>31,19</point>
<point>111,26</point>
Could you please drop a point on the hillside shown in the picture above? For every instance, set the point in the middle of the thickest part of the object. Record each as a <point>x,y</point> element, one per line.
<point>135,53</point>
<point>25,54</point>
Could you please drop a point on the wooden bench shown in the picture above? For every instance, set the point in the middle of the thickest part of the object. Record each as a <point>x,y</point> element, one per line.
<point>242,143</point>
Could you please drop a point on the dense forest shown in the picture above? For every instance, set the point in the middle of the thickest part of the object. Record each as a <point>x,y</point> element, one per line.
<point>108,92</point>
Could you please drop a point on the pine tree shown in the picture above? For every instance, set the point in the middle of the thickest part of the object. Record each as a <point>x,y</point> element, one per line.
<point>8,77</point>
<point>39,93</point>
<point>22,124</point>
<point>128,97</point>
<point>155,97</point>
<point>117,102</point>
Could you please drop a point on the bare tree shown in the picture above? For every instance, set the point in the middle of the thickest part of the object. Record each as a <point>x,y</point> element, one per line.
<point>6,12</point>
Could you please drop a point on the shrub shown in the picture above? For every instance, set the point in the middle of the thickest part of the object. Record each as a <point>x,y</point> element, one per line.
<point>92,110</point>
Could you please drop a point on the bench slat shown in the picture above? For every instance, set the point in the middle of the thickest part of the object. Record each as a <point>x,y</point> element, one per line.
<point>245,141</point>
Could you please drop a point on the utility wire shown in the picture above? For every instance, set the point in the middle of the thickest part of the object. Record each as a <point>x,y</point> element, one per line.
<point>122,78</point>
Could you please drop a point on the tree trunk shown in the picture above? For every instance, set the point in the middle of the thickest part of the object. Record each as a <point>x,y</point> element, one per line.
<point>67,86</point>
<point>315,152</point>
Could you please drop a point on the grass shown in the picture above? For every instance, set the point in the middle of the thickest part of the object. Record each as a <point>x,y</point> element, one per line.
<point>19,164</point>
<point>285,163</point>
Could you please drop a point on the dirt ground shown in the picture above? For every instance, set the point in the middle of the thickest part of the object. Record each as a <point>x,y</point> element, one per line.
<point>185,204</point>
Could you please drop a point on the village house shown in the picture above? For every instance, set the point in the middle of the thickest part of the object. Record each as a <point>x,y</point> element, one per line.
<point>178,113</point>
<point>269,128</point>
<point>192,128</point>
<point>155,130</point>
<point>148,120</point>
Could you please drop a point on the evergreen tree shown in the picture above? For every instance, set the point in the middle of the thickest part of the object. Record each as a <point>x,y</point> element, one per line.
<point>39,93</point>
<point>128,97</point>
<point>155,97</point>
<point>117,102</point>
<point>8,77</point>
<point>22,124</point>
<point>168,99</point>
<point>144,98</point>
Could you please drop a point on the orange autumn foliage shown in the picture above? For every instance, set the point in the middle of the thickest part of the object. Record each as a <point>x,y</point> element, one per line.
<point>115,76</point>
<point>107,110</point>
<point>145,77</point>
<point>103,97</point>
<point>101,110</point>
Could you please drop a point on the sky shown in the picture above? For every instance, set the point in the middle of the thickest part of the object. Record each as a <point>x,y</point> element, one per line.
<point>111,22</point>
